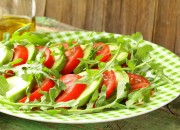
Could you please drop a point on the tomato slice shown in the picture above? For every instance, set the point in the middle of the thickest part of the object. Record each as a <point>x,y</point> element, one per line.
<point>8,73</point>
<point>22,53</point>
<point>36,95</point>
<point>139,86</point>
<point>104,51</point>
<point>72,56</point>
<point>73,90</point>
<point>49,60</point>
<point>109,80</point>
<point>137,81</point>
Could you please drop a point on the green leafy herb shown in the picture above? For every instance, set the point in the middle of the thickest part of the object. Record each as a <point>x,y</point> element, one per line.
<point>30,37</point>
<point>92,100</point>
<point>101,101</point>
<point>142,94</point>
<point>4,86</point>
<point>137,37</point>
<point>142,52</point>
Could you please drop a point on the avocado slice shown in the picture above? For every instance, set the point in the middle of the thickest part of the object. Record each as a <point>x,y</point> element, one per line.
<point>88,50</point>
<point>59,57</point>
<point>31,51</point>
<point>18,87</point>
<point>121,76</point>
<point>122,55</point>
<point>88,92</point>
<point>6,55</point>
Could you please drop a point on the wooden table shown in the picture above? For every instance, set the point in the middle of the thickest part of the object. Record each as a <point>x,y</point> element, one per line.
<point>165,118</point>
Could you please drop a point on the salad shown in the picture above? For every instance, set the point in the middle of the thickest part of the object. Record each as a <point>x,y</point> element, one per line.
<point>76,76</point>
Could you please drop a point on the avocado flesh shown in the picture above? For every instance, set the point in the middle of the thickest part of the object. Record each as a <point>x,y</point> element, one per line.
<point>6,55</point>
<point>88,92</point>
<point>17,88</point>
<point>122,56</point>
<point>121,76</point>
<point>87,55</point>
<point>59,58</point>
<point>31,51</point>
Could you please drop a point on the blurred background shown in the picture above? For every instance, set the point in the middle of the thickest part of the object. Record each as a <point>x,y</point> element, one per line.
<point>157,20</point>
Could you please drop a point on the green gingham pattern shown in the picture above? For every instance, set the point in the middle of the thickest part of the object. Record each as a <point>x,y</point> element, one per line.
<point>166,93</point>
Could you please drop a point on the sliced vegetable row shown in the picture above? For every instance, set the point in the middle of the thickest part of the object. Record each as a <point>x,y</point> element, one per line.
<point>67,60</point>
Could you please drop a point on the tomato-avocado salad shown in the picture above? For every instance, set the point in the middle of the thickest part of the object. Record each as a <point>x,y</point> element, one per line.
<point>76,76</point>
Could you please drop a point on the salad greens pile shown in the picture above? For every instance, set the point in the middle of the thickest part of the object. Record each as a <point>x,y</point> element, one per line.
<point>138,62</point>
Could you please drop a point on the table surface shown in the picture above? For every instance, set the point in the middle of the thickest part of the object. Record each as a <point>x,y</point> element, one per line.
<point>165,118</point>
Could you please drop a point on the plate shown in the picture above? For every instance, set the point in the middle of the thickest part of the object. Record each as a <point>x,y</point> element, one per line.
<point>166,93</point>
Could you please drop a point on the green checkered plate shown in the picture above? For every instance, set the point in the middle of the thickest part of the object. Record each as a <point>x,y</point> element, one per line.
<point>166,93</point>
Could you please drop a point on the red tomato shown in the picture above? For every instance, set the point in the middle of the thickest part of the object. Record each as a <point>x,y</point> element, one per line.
<point>137,82</point>
<point>72,56</point>
<point>139,85</point>
<point>8,74</point>
<point>104,51</point>
<point>22,53</point>
<point>134,79</point>
<point>109,80</point>
<point>73,90</point>
<point>49,60</point>
<point>36,95</point>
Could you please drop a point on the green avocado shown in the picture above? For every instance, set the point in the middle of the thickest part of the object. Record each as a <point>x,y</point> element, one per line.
<point>121,76</point>
<point>18,87</point>
<point>6,55</point>
<point>59,57</point>
<point>88,92</point>
<point>88,50</point>
<point>31,51</point>
<point>123,55</point>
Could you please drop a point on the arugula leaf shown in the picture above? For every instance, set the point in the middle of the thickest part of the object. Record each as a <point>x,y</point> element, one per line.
<point>16,61</point>
<point>4,86</point>
<point>93,99</point>
<point>27,77</point>
<point>89,61</point>
<point>125,43</point>
<point>30,37</point>
<point>138,96</point>
<point>101,101</point>
<point>54,92</point>
<point>70,103</point>
<point>22,37</point>
<point>121,91</point>
<point>142,52</point>
<point>137,37</point>
<point>131,63</point>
